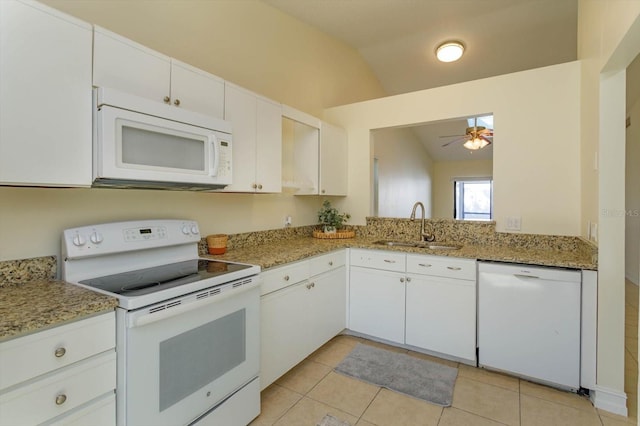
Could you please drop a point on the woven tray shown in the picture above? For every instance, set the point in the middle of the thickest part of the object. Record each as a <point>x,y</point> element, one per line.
<point>334,235</point>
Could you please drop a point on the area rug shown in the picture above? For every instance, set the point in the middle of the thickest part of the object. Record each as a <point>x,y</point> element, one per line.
<point>329,420</point>
<point>402,373</point>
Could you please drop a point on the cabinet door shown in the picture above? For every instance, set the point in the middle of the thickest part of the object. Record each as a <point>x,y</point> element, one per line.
<point>125,65</point>
<point>376,303</point>
<point>196,90</point>
<point>45,97</point>
<point>441,315</point>
<point>328,307</point>
<point>268,146</point>
<point>240,110</point>
<point>285,330</point>
<point>333,160</point>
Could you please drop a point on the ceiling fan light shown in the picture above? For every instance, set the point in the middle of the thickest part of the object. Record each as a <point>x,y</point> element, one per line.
<point>475,144</point>
<point>449,51</point>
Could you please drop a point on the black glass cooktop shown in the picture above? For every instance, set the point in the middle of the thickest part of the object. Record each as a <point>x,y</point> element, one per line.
<point>150,280</point>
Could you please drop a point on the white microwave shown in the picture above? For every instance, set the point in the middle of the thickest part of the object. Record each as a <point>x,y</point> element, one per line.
<point>138,143</point>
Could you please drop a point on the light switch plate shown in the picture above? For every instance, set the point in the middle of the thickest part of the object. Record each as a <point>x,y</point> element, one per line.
<point>513,223</point>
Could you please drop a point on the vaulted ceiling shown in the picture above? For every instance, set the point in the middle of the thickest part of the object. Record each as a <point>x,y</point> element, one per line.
<point>398,39</point>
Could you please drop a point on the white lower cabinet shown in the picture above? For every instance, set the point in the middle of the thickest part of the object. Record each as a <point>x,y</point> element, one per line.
<point>64,376</point>
<point>428,302</point>
<point>441,315</point>
<point>302,314</point>
<point>377,303</point>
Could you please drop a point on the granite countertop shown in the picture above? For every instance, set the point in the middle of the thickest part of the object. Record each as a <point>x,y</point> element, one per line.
<point>43,303</point>
<point>271,254</point>
<point>32,300</point>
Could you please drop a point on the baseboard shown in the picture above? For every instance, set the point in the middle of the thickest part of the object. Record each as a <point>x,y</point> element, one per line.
<point>609,400</point>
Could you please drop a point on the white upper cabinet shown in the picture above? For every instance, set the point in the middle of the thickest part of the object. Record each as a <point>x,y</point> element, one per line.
<point>257,141</point>
<point>333,160</point>
<point>45,96</point>
<point>314,155</point>
<point>123,64</point>
<point>300,152</point>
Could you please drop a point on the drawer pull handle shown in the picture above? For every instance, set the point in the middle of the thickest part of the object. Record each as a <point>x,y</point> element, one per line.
<point>425,265</point>
<point>454,268</point>
<point>59,353</point>
<point>311,285</point>
<point>401,280</point>
<point>408,279</point>
<point>331,263</point>
<point>286,277</point>
<point>390,261</point>
<point>61,399</point>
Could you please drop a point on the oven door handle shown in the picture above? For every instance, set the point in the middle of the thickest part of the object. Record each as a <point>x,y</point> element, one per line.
<point>149,318</point>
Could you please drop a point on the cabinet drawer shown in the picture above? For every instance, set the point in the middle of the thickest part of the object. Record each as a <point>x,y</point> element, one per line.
<point>283,276</point>
<point>442,266</point>
<point>45,351</point>
<point>378,259</point>
<point>59,392</point>
<point>326,262</point>
<point>101,412</point>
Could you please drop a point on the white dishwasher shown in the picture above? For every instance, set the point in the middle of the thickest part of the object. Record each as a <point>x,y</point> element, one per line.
<point>529,322</point>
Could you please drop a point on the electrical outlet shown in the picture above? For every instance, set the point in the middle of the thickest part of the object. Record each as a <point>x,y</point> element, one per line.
<point>593,235</point>
<point>513,223</point>
<point>287,221</point>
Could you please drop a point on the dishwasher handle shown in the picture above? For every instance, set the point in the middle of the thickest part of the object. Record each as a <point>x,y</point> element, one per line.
<point>526,276</point>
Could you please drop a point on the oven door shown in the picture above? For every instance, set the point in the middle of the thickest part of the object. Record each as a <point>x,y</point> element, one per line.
<point>179,360</point>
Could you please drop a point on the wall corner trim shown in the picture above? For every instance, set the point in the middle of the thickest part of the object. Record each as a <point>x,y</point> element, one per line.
<point>609,400</point>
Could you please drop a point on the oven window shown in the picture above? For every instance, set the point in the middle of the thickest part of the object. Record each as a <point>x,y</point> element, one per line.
<point>199,356</point>
<point>150,148</point>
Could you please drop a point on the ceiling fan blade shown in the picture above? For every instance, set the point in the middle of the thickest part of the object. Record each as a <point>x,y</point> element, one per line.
<point>454,141</point>
<point>489,140</point>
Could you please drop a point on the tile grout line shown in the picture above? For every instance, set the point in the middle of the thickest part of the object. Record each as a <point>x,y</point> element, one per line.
<point>369,405</point>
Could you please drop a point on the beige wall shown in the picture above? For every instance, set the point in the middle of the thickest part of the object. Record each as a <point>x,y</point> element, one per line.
<point>632,197</point>
<point>405,172</point>
<point>527,166</point>
<point>245,42</point>
<point>444,174</point>
<point>608,40</point>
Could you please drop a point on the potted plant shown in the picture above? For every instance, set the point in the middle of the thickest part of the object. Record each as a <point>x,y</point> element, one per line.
<point>330,219</point>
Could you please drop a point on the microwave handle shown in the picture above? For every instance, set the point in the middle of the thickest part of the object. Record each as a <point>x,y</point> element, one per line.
<point>214,156</point>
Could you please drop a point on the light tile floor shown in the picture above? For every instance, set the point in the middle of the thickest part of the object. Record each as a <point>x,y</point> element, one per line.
<point>308,392</point>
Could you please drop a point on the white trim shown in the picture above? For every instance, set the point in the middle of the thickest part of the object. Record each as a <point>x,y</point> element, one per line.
<point>588,329</point>
<point>609,400</point>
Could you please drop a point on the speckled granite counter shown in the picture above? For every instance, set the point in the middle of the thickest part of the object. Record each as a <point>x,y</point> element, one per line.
<point>270,254</point>
<point>32,300</point>
<point>37,305</point>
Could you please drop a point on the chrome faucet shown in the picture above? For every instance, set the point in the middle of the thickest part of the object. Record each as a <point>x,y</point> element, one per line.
<point>424,236</point>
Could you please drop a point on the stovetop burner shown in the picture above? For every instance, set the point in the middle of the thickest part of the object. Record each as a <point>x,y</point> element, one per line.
<point>158,278</point>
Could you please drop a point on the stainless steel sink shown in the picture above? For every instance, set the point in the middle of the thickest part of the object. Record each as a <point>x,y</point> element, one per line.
<point>391,243</point>
<point>420,244</point>
<point>442,246</point>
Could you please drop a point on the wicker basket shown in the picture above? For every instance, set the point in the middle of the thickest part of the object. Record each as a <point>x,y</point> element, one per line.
<point>345,233</point>
<point>217,243</point>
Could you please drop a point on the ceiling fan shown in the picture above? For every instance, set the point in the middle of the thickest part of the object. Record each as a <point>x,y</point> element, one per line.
<point>476,137</point>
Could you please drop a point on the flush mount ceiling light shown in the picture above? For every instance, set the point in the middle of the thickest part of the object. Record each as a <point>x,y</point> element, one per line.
<point>450,51</point>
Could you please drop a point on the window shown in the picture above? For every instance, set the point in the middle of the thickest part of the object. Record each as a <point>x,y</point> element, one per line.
<point>473,199</point>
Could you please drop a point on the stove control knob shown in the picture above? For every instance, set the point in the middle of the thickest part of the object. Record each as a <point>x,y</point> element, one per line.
<point>96,237</point>
<point>78,240</point>
<point>186,229</point>
<point>194,230</point>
